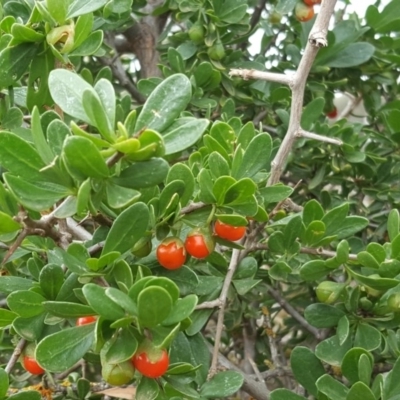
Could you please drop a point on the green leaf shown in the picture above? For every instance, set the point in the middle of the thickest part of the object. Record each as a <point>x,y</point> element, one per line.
<point>154,306</point>
<point>183,133</point>
<point>351,361</point>
<point>80,7</point>
<point>256,157</point>
<point>59,351</point>
<point>393,224</point>
<point>323,315</point>
<point>39,139</point>
<point>123,300</point>
<point>352,55</point>
<point>375,281</point>
<point>276,193</point>
<point>314,232</point>
<point>392,383</point>
<point>97,114</point>
<point>67,89</point>
<point>127,229</point>
<point>83,28</point>
<point>37,196</point>
<point>312,112</point>
<point>147,389</point>
<point>343,329</point>
<point>243,286</point>
<point>312,211</point>
<point>121,347</point>
<point>351,225</point>
<point>183,173</point>
<point>118,196</point>
<point>10,284</point>
<point>334,219</point>
<point>331,351</point>
<point>182,309</point>
<point>240,191</point>
<point>51,279</point>
<point>367,337</point>
<point>90,45</point>
<point>219,167</point>
<point>3,383</point>
<point>332,388</point>
<point>285,394</point>
<point>101,303</point>
<point>64,309</point>
<point>223,384</point>
<point>165,103</point>
<point>30,328</point>
<point>14,61</point>
<point>144,174</point>
<point>367,260</point>
<point>7,224</point>
<point>364,369</point>
<point>84,159</point>
<point>292,231</point>
<point>106,93</point>
<point>169,285</point>
<point>58,10</point>
<point>307,368</point>
<point>360,391</point>
<point>6,317</point>
<point>26,303</point>
<point>19,157</point>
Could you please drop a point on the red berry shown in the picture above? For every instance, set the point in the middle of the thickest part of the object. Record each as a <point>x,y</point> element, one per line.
<point>312,2</point>
<point>229,232</point>
<point>333,113</point>
<point>85,320</point>
<point>151,366</point>
<point>171,253</point>
<point>32,366</point>
<point>304,13</point>
<point>198,244</point>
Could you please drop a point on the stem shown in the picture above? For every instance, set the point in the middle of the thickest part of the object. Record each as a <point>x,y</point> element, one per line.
<point>15,355</point>
<point>235,258</point>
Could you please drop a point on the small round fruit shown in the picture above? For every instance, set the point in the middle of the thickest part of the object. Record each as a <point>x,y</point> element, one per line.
<point>216,51</point>
<point>151,365</point>
<point>142,248</point>
<point>328,292</point>
<point>333,113</point>
<point>198,244</point>
<point>303,13</point>
<point>32,366</point>
<point>312,2</point>
<point>118,374</point>
<point>85,320</point>
<point>171,253</point>
<point>196,33</point>
<point>229,232</point>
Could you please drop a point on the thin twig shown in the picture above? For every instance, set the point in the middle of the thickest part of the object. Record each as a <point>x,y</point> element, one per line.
<point>294,313</point>
<point>309,135</point>
<point>235,258</point>
<point>247,74</point>
<point>15,356</point>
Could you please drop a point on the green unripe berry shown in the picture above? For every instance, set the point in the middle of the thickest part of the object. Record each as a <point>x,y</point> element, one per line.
<point>216,51</point>
<point>196,33</point>
<point>118,374</point>
<point>328,292</point>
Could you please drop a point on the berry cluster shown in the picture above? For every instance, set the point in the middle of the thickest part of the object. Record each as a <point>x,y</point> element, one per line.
<point>171,253</point>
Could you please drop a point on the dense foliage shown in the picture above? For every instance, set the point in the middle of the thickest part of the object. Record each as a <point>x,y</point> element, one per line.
<point>159,238</point>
